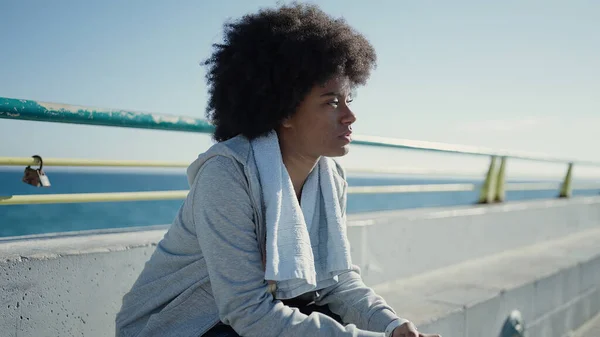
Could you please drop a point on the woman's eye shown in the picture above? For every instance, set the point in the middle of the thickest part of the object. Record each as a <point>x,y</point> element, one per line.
<point>335,103</point>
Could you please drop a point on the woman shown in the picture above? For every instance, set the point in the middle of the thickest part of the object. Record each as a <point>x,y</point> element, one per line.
<point>259,246</point>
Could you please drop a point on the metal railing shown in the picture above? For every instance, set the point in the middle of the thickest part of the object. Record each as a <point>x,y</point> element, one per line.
<point>492,190</point>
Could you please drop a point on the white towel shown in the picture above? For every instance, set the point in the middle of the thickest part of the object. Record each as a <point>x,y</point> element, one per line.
<point>289,254</point>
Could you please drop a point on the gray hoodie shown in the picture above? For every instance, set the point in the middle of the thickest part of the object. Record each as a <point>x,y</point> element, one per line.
<point>209,266</point>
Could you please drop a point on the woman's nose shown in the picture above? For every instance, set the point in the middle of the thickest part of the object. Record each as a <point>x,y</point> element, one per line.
<point>349,117</point>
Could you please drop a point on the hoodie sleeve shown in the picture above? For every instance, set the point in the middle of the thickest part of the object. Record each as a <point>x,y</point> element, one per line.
<point>350,298</point>
<point>354,302</point>
<point>224,223</point>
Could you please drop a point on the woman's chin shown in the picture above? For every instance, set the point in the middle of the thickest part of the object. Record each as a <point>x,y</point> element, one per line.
<point>338,152</point>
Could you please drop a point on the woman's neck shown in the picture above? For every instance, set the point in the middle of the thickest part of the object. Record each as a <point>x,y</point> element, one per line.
<point>298,165</point>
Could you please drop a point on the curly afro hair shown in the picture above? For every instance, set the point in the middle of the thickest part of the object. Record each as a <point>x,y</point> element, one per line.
<point>269,61</point>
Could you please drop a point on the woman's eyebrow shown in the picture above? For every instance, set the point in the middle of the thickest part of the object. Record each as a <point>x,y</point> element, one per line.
<point>335,94</point>
<point>331,93</point>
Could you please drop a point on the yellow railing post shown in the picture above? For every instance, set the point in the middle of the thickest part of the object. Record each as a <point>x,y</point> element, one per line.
<point>500,182</point>
<point>566,189</point>
<point>488,189</point>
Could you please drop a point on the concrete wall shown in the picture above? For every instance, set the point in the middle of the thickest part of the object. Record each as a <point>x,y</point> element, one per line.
<point>391,245</point>
<point>555,285</point>
<point>72,284</point>
<point>69,286</point>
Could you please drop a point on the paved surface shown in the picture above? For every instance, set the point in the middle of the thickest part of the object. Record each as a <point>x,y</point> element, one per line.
<point>590,329</point>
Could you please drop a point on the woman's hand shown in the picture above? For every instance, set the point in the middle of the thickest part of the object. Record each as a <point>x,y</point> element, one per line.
<point>408,330</point>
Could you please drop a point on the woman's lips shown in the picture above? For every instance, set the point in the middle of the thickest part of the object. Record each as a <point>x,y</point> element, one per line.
<point>347,137</point>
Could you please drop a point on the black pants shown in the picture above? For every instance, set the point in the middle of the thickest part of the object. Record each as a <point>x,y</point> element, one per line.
<point>223,330</point>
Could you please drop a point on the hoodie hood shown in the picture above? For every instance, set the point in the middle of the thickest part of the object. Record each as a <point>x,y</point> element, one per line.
<point>237,148</point>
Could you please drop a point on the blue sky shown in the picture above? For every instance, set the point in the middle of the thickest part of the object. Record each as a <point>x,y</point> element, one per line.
<point>516,75</point>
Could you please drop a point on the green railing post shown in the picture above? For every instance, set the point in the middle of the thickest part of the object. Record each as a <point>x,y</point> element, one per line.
<point>566,189</point>
<point>500,182</point>
<point>488,189</point>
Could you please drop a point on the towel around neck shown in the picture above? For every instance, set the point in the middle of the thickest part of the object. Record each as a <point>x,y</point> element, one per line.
<point>290,255</point>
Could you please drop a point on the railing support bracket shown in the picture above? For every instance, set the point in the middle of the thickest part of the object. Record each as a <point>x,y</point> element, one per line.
<point>488,189</point>
<point>566,190</point>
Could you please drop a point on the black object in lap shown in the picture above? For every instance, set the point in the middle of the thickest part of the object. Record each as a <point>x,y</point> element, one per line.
<point>307,308</point>
<point>223,330</point>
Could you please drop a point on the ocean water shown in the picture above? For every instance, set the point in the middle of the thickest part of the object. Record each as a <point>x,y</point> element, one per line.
<point>18,220</point>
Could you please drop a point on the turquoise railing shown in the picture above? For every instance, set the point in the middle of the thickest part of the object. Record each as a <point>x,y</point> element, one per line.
<point>492,190</point>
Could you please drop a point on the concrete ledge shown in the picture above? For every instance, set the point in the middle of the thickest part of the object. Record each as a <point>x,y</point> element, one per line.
<point>72,283</point>
<point>435,238</point>
<point>555,285</point>
<point>51,246</point>
<point>73,295</point>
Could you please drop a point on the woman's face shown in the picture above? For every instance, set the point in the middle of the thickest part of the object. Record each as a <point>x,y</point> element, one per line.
<point>321,126</point>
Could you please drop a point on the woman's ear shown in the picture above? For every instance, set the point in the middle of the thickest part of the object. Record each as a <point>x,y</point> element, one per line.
<point>286,123</point>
